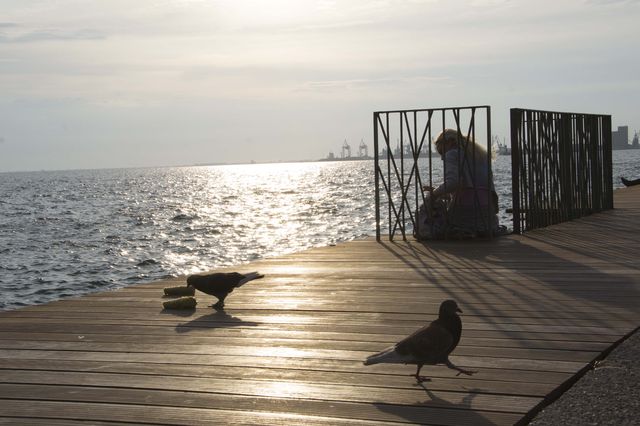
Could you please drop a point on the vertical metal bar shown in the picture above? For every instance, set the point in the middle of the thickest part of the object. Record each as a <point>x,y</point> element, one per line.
<point>471,166</point>
<point>596,164</point>
<point>515,123</point>
<point>444,163</point>
<point>530,217</point>
<point>606,130</point>
<point>430,150</point>
<point>535,190</point>
<point>402,184</point>
<point>376,170</point>
<point>416,165</point>
<point>389,155</point>
<point>489,177</point>
<point>546,167</point>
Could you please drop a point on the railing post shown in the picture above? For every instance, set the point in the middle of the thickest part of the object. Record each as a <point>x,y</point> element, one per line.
<point>607,155</point>
<point>516,125</point>
<point>491,213</point>
<point>376,170</point>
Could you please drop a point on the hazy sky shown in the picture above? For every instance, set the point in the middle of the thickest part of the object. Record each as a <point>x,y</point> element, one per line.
<point>119,83</point>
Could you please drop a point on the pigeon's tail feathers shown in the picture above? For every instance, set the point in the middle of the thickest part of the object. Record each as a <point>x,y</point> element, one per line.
<point>248,277</point>
<point>388,356</point>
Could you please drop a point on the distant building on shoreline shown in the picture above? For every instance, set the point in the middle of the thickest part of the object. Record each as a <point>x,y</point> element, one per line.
<point>620,139</point>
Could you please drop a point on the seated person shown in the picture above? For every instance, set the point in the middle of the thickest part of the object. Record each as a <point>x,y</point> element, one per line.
<point>466,204</point>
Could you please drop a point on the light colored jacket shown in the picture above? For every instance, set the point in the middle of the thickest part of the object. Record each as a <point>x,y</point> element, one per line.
<point>474,202</point>
<point>461,174</point>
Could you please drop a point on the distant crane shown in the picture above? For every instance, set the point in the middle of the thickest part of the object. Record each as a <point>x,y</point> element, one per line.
<point>363,150</point>
<point>346,148</point>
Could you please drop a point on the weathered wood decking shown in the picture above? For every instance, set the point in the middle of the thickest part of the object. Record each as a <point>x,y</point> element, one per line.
<point>289,348</point>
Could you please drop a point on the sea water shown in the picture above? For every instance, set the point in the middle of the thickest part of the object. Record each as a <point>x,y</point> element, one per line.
<point>68,233</point>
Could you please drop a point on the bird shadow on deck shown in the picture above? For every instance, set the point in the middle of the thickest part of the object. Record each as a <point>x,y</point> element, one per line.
<point>218,319</point>
<point>178,312</point>
<point>415,413</point>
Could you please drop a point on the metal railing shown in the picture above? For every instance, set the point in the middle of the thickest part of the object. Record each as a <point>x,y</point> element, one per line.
<point>401,171</point>
<point>561,166</point>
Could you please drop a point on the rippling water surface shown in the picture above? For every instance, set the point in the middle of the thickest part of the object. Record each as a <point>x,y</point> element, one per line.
<point>73,232</point>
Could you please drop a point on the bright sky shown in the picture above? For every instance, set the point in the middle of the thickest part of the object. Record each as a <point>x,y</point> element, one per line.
<point>119,83</point>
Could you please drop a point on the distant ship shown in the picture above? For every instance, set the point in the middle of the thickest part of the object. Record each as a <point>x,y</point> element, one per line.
<point>502,148</point>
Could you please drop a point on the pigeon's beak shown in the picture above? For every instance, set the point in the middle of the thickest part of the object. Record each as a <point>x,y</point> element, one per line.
<point>458,310</point>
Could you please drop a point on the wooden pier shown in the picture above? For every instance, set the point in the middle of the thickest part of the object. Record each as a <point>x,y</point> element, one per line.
<point>538,309</point>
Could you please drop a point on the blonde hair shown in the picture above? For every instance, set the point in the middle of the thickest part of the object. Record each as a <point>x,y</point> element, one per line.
<point>463,142</point>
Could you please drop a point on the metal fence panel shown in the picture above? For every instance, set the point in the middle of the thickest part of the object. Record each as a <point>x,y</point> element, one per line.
<point>561,166</point>
<point>401,171</point>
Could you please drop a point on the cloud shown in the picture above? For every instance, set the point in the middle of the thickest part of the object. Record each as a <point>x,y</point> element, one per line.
<point>329,26</point>
<point>52,35</point>
<point>372,83</point>
<point>607,2</point>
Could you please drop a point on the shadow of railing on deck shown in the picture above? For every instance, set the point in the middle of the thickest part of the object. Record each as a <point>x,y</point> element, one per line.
<point>457,257</point>
<point>495,287</point>
<point>552,298</point>
<point>598,229</point>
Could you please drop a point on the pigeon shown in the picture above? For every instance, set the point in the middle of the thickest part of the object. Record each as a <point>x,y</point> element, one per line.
<point>430,345</point>
<point>220,284</point>
<point>628,182</point>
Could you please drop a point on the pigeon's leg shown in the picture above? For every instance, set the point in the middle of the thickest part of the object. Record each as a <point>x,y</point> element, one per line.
<point>459,370</point>
<point>420,378</point>
<point>220,304</point>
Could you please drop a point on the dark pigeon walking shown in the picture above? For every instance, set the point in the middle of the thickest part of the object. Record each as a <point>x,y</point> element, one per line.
<point>430,345</point>
<point>220,284</point>
<point>628,182</point>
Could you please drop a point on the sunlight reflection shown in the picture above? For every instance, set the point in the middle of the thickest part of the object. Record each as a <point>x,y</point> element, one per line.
<point>288,319</point>
<point>282,352</point>
<point>233,214</point>
<point>286,389</point>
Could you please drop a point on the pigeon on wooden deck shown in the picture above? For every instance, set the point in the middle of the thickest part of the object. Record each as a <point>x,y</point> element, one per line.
<point>220,284</point>
<point>628,182</point>
<point>430,345</point>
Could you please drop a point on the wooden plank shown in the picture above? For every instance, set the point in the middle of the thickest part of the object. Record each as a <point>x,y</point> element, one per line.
<point>213,330</point>
<point>281,389</point>
<point>357,342</point>
<point>262,321</point>
<point>491,381</point>
<point>23,410</point>
<point>268,349</point>
<point>370,328</point>
<point>425,304</point>
<point>31,421</point>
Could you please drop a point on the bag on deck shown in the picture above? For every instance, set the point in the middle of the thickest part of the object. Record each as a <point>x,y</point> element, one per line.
<point>431,220</point>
